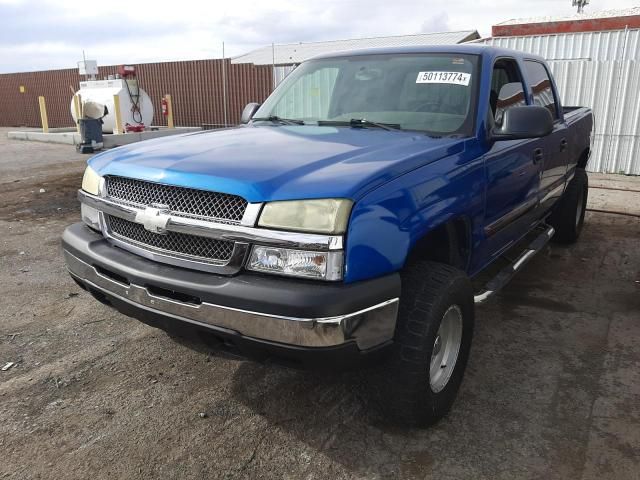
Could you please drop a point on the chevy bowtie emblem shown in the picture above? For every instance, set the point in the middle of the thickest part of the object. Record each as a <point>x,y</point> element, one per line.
<point>154,218</point>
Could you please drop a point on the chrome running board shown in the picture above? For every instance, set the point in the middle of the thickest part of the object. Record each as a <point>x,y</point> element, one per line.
<point>494,285</point>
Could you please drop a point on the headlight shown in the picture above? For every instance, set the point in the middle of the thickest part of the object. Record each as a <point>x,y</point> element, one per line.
<point>328,216</point>
<point>91,181</point>
<point>296,263</point>
<point>91,184</point>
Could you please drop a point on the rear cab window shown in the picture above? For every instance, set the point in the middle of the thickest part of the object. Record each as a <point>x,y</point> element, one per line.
<point>541,86</point>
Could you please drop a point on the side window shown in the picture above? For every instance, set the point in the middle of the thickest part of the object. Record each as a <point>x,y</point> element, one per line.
<point>541,86</point>
<point>507,89</point>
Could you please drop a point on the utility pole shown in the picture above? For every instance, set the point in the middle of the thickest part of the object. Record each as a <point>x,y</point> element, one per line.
<point>580,4</point>
<point>224,86</point>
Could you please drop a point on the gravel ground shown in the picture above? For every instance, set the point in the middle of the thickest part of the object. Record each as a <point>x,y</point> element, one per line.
<point>552,389</point>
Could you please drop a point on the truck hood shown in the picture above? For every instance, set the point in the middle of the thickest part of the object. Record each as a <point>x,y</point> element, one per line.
<point>265,163</point>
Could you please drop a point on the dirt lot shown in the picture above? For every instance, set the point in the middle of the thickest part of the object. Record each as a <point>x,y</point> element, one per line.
<point>552,390</point>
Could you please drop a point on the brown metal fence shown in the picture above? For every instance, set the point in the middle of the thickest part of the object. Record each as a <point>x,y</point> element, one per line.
<point>195,86</point>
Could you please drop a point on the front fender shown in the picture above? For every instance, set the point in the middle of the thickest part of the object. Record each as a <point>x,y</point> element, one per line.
<point>387,222</point>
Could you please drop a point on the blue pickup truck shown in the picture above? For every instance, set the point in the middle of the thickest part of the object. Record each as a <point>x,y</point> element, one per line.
<point>358,214</point>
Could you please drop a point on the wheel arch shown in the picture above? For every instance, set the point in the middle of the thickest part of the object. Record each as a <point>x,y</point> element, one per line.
<point>448,243</point>
<point>584,158</point>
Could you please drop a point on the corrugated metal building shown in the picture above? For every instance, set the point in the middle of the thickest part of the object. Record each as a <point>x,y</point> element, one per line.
<point>285,57</point>
<point>196,87</point>
<point>596,68</point>
<point>581,22</point>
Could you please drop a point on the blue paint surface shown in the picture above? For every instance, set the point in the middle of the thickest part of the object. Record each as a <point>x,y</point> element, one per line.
<point>277,162</point>
<point>404,184</point>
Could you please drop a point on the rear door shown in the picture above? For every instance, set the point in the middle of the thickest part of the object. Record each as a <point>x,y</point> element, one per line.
<point>512,167</point>
<point>555,146</point>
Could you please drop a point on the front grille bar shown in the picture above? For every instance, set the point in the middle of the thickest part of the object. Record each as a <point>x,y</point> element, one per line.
<point>226,232</point>
<point>202,249</point>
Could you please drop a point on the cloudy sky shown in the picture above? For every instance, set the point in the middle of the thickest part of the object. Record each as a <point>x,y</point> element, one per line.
<point>48,34</point>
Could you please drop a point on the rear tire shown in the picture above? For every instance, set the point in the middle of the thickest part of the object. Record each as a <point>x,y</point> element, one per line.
<point>433,338</point>
<point>568,215</point>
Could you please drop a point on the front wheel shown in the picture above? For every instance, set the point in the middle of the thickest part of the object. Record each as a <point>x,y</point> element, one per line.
<point>433,339</point>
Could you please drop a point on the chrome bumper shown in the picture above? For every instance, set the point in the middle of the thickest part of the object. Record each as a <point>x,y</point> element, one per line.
<point>368,327</point>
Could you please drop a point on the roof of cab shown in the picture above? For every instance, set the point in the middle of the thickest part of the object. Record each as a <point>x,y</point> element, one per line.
<point>468,49</point>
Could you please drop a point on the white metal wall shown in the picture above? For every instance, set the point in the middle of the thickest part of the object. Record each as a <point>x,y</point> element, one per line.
<point>586,45</point>
<point>600,70</point>
<point>280,72</point>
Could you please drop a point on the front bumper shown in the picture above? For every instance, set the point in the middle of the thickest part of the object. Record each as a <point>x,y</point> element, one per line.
<point>270,311</point>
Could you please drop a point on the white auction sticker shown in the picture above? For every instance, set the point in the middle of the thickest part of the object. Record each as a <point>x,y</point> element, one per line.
<point>453,78</point>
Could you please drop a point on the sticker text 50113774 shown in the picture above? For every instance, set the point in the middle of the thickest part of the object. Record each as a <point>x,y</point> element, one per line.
<point>453,78</point>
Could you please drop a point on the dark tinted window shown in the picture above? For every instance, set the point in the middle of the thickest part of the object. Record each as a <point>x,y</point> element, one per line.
<point>541,86</point>
<point>507,89</point>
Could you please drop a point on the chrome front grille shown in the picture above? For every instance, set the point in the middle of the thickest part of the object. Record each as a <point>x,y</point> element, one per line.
<point>192,247</point>
<point>187,202</point>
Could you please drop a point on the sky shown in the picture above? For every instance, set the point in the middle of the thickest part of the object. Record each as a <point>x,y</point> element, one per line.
<point>48,34</point>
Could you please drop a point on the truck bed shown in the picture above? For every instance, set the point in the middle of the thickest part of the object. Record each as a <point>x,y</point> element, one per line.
<point>580,123</point>
<point>573,111</point>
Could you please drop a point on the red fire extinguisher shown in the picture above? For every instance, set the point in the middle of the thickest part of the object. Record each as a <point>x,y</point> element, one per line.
<point>165,107</point>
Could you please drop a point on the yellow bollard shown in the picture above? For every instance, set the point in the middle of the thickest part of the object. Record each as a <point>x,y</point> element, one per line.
<point>117,127</point>
<point>76,107</point>
<point>43,115</point>
<point>167,97</point>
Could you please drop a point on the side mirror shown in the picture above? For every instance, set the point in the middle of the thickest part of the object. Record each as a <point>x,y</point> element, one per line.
<point>519,123</point>
<point>249,111</point>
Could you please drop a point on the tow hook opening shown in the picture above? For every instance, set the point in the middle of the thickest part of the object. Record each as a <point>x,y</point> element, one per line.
<point>173,295</point>
<point>112,275</point>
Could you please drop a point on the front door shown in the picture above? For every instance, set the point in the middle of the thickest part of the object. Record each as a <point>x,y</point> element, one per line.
<point>512,167</point>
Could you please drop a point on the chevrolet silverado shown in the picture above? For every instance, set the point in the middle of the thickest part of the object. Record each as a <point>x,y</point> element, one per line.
<point>359,213</point>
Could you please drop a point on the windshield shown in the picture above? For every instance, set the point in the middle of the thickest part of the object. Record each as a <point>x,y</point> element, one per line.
<point>425,92</point>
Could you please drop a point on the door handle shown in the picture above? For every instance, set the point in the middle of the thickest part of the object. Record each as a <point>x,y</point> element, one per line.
<point>563,144</point>
<point>538,155</point>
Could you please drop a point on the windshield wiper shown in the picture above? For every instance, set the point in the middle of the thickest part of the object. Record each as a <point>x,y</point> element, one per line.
<point>362,122</point>
<point>277,119</point>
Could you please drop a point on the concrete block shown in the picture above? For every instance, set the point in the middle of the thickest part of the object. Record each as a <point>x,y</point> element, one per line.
<point>71,137</point>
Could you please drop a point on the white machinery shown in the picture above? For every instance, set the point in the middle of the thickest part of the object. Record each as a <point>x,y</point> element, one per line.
<point>95,95</point>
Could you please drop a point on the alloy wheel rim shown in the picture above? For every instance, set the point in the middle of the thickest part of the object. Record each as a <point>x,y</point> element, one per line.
<point>446,348</point>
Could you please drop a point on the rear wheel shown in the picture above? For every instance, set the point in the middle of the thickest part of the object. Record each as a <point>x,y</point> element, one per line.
<point>568,216</point>
<point>433,338</point>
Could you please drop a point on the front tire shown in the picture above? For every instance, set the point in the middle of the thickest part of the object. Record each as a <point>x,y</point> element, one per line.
<point>568,215</point>
<point>433,338</point>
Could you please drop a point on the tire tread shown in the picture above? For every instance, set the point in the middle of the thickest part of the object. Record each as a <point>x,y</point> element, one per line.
<point>403,384</point>
<point>563,217</point>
